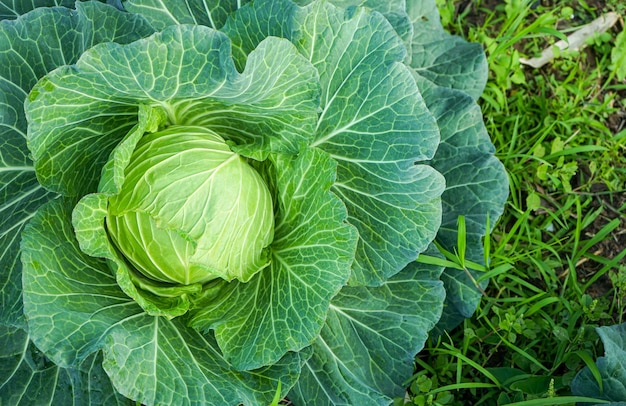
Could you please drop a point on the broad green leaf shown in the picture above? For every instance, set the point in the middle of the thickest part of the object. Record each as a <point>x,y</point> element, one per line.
<point>263,18</point>
<point>75,308</point>
<point>256,21</point>
<point>271,107</point>
<point>156,361</point>
<point>20,196</point>
<point>446,60</point>
<point>476,188</point>
<point>64,289</point>
<point>393,10</point>
<point>28,378</point>
<point>375,124</point>
<point>611,367</point>
<point>78,114</point>
<point>366,349</point>
<point>284,306</point>
<point>30,47</point>
<point>199,12</point>
<point>12,9</point>
<point>149,120</point>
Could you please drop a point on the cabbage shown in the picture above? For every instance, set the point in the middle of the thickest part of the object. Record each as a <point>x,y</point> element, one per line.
<point>221,203</point>
<point>190,210</point>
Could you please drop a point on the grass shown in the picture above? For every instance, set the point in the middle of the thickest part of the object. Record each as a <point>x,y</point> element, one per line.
<point>558,265</point>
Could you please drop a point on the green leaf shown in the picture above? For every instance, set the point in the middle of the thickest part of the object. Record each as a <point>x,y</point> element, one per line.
<point>611,368</point>
<point>30,47</point>
<point>263,18</point>
<point>476,182</point>
<point>284,306</point>
<point>12,9</point>
<point>271,107</point>
<point>618,56</point>
<point>365,351</point>
<point>162,14</point>
<point>446,60</point>
<point>393,10</point>
<point>28,378</point>
<point>476,188</point>
<point>156,361</point>
<point>64,289</point>
<point>75,308</point>
<point>20,196</point>
<point>256,21</point>
<point>78,114</point>
<point>149,120</point>
<point>375,124</point>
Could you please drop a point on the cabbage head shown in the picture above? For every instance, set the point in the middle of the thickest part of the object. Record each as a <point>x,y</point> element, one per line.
<point>190,210</point>
<point>223,202</point>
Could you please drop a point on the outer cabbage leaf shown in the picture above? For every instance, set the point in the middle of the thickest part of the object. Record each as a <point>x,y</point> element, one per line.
<point>612,368</point>
<point>30,47</point>
<point>78,114</point>
<point>75,308</point>
<point>12,9</point>
<point>366,349</point>
<point>28,378</point>
<point>445,59</point>
<point>246,24</point>
<point>256,21</point>
<point>393,10</point>
<point>375,124</point>
<point>200,12</point>
<point>284,306</point>
<point>476,188</point>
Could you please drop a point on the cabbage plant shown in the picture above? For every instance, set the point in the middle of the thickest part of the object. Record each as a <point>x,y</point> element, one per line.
<point>223,202</point>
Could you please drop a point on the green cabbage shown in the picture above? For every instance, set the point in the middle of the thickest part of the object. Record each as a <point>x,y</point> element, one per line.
<point>219,202</point>
<point>190,210</point>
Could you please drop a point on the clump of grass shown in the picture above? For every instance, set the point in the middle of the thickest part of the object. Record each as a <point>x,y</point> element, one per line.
<point>558,265</point>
